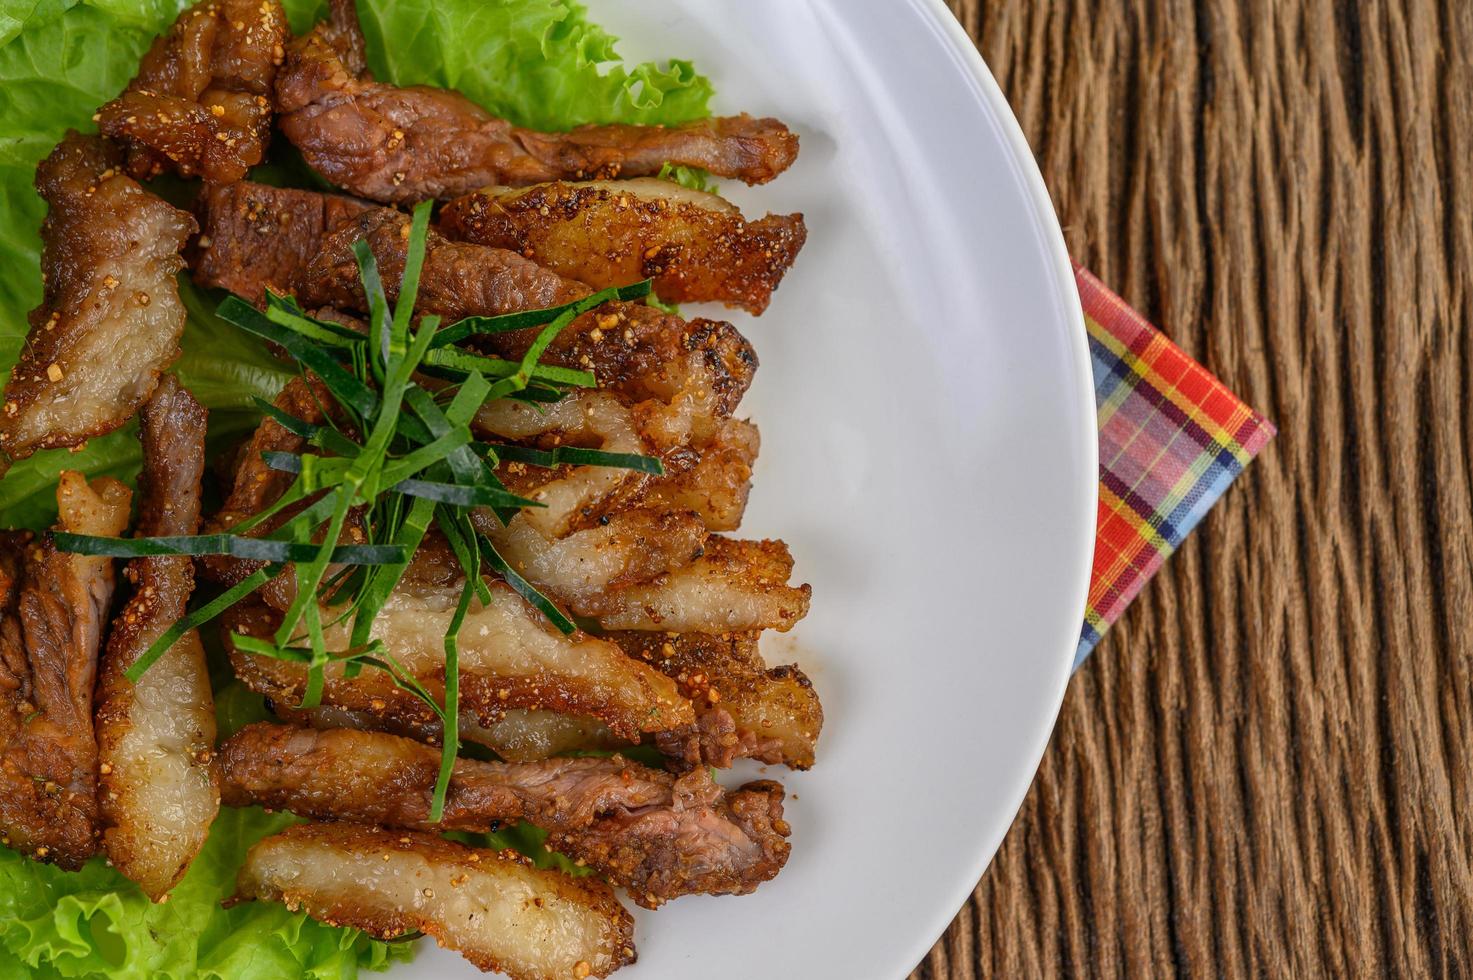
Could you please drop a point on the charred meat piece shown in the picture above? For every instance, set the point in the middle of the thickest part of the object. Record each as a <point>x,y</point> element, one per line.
<point>256,485</point>
<point>256,237</point>
<point>200,104</point>
<point>54,609</point>
<point>603,529</point>
<point>158,792</point>
<point>572,496</point>
<point>707,460</point>
<point>494,908</point>
<point>735,585</point>
<point>457,280</point>
<point>696,246</point>
<point>659,836</point>
<point>399,145</point>
<point>636,349</point>
<point>519,736</point>
<point>578,570</point>
<point>710,479</point>
<point>771,714</point>
<point>699,369</point>
<point>111,318</point>
<point>510,657</point>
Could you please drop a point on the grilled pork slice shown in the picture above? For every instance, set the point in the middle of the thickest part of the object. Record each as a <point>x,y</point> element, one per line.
<point>510,657</point>
<point>201,101</point>
<point>734,585</point>
<point>569,494</point>
<point>703,366</point>
<point>579,570</point>
<point>158,793</point>
<point>111,318</point>
<point>399,145</point>
<point>256,237</point>
<point>456,280</point>
<point>710,478</point>
<point>708,470</point>
<point>526,736</point>
<point>256,486</point>
<point>494,908</point>
<point>745,709</point>
<point>53,607</point>
<point>696,246</point>
<point>656,835</point>
<point>603,528</point>
<point>519,736</point>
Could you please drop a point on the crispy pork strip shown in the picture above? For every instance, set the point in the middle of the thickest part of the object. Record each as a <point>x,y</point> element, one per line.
<point>604,528</point>
<point>255,237</point>
<point>510,657</point>
<point>158,794</point>
<point>735,585</point>
<point>656,835</point>
<point>579,570</point>
<point>111,318</point>
<point>710,477</point>
<point>520,735</point>
<point>698,371</point>
<point>201,101</point>
<point>494,908</point>
<point>399,145</point>
<point>256,485</point>
<point>771,713</point>
<point>526,736</point>
<point>778,723</point>
<point>54,609</point>
<point>456,280</point>
<point>696,246</point>
<point>706,473</point>
<point>570,494</point>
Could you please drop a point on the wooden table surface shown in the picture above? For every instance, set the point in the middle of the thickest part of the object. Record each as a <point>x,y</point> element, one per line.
<point>1267,766</point>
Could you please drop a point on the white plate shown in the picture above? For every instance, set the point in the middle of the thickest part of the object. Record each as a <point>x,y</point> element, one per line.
<point>928,451</point>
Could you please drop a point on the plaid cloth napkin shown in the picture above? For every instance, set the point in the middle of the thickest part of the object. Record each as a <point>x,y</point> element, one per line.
<point>1172,438</point>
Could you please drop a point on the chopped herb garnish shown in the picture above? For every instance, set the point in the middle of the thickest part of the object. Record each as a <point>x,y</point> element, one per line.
<point>573,456</point>
<point>394,456</point>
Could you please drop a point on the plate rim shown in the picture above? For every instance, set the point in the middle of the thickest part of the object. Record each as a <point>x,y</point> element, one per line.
<point>992,100</point>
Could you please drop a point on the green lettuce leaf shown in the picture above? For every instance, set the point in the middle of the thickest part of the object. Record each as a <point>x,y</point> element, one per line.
<point>539,63</point>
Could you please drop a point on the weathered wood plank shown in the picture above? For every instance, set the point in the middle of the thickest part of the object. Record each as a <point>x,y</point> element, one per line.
<point>1267,766</point>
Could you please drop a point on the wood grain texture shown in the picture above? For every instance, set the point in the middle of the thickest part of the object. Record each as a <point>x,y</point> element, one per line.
<point>1267,767</point>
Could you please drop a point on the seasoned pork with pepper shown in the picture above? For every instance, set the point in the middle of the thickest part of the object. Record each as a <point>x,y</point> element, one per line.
<point>493,907</point>
<point>510,657</point>
<point>111,318</point>
<point>158,793</point>
<point>695,246</point>
<point>659,836</point>
<point>200,104</point>
<point>745,708</point>
<point>400,145</point>
<point>53,610</point>
<point>255,237</point>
